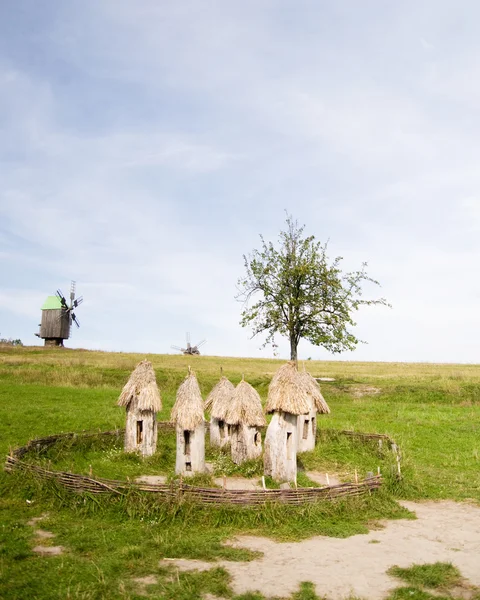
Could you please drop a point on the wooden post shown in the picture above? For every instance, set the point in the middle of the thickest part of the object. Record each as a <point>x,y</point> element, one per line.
<point>328,479</point>
<point>263,482</point>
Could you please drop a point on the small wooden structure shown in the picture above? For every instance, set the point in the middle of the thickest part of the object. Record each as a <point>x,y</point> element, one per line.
<point>55,325</point>
<point>57,317</point>
<point>141,397</point>
<point>218,402</point>
<point>187,414</point>
<point>307,424</point>
<point>287,398</point>
<point>245,416</point>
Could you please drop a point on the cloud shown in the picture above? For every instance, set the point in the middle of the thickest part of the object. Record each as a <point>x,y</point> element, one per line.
<point>145,146</point>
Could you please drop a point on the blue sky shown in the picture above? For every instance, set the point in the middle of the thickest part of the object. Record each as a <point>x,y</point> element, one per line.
<point>145,145</point>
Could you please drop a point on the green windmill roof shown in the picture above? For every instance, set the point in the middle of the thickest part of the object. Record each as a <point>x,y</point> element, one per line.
<point>51,303</point>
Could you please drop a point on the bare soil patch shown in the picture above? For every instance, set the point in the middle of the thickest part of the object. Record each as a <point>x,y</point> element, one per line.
<point>152,479</point>
<point>359,391</point>
<point>321,478</point>
<point>33,522</point>
<point>187,564</point>
<point>44,535</point>
<point>357,566</point>
<point>238,483</point>
<point>142,583</point>
<point>48,550</point>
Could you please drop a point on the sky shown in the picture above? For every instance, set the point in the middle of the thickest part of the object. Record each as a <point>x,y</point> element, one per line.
<point>145,146</point>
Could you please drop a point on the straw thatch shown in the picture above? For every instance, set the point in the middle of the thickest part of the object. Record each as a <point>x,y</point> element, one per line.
<point>288,392</point>
<point>314,391</point>
<point>187,412</point>
<point>141,391</point>
<point>220,398</point>
<point>245,407</point>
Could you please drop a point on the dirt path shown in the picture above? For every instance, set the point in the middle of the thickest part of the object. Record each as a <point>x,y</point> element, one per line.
<point>443,531</point>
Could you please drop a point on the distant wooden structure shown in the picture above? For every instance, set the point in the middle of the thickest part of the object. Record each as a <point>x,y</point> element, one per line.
<point>141,397</point>
<point>190,350</point>
<point>57,318</point>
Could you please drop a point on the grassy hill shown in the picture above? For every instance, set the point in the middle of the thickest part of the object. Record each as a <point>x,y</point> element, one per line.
<point>432,411</point>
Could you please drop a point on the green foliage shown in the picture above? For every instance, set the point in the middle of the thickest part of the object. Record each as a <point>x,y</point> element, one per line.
<point>10,342</point>
<point>435,575</point>
<point>304,481</point>
<point>306,592</point>
<point>224,465</point>
<point>441,577</point>
<point>414,593</point>
<point>302,294</point>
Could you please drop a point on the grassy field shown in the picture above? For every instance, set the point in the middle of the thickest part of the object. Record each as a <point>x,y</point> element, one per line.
<point>432,411</point>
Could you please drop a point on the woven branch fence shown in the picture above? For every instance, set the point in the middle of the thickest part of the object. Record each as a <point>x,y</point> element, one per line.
<point>180,490</point>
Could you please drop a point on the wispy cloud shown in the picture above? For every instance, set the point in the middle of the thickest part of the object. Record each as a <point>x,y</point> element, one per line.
<point>144,146</point>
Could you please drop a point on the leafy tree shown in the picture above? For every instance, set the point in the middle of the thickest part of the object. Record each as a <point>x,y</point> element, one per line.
<point>300,294</point>
<point>11,342</point>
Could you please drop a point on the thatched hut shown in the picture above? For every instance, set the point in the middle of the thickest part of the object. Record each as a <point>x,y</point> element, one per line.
<point>218,402</point>
<point>307,424</point>
<point>141,398</point>
<point>187,414</point>
<point>245,416</point>
<point>287,398</point>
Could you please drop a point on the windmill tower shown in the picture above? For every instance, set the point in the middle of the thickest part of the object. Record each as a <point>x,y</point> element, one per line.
<point>57,317</point>
<point>190,350</point>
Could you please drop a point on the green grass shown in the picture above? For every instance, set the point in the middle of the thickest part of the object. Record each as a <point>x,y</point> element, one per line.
<point>436,575</point>
<point>432,411</point>
<point>444,579</point>
<point>413,593</point>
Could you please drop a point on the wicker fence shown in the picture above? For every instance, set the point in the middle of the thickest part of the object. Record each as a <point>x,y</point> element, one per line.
<point>181,490</point>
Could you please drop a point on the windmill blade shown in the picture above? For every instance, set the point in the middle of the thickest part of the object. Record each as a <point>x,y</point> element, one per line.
<point>188,338</point>
<point>62,299</point>
<point>72,291</point>
<point>200,343</point>
<point>77,302</point>
<point>75,320</point>
<point>177,348</point>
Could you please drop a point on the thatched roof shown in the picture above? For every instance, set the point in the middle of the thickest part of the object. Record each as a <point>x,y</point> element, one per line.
<point>187,412</point>
<point>141,391</point>
<point>288,392</point>
<point>220,398</point>
<point>245,407</point>
<point>314,392</point>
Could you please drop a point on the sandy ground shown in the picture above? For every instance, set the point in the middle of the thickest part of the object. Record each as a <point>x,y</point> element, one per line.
<point>321,478</point>
<point>152,479</point>
<point>443,531</point>
<point>242,483</point>
<point>238,483</point>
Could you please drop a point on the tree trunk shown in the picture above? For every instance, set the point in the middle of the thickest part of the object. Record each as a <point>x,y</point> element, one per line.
<point>293,349</point>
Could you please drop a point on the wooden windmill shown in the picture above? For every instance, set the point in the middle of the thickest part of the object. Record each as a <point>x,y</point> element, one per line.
<point>57,317</point>
<point>190,350</point>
